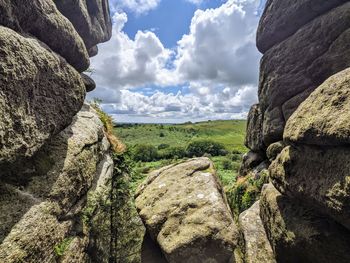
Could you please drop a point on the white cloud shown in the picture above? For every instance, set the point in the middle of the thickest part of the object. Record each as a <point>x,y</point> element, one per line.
<point>217,61</point>
<point>136,6</point>
<point>196,2</point>
<point>221,45</point>
<point>125,63</point>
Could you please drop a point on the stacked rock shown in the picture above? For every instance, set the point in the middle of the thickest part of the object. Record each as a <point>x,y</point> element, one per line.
<point>301,125</point>
<point>53,151</point>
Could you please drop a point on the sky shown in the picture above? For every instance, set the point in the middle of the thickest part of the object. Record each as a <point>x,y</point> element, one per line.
<point>172,61</point>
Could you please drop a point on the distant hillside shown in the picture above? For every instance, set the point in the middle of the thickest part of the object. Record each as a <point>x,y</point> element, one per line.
<point>231,133</point>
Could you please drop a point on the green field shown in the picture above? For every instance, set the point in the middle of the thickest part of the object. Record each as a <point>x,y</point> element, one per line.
<point>229,133</point>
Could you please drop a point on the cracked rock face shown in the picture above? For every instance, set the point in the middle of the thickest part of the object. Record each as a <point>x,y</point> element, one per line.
<point>185,212</point>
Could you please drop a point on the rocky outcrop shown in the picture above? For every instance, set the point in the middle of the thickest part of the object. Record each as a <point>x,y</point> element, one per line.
<point>90,18</point>
<point>323,118</point>
<point>304,102</point>
<point>254,139</point>
<point>54,187</point>
<point>55,163</point>
<point>290,71</point>
<point>41,19</point>
<point>282,19</point>
<point>185,211</point>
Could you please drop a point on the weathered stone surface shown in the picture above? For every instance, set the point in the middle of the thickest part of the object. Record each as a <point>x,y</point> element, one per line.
<point>90,18</point>
<point>317,176</point>
<point>65,188</point>
<point>76,251</point>
<point>274,150</point>
<point>250,161</point>
<point>254,140</point>
<point>302,62</point>
<point>34,237</point>
<point>289,107</point>
<point>282,18</point>
<point>323,119</point>
<point>257,247</point>
<point>99,203</point>
<point>185,211</point>
<point>40,94</point>
<point>41,19</point>
<point>273,125</point>
<point>89,83</point>
<point>298,234</point>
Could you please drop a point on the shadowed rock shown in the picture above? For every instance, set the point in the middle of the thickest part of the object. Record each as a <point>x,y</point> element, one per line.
<point>299,234</point>
<point>317,176</point>
<point>254,138</point>
<point>282,18</point>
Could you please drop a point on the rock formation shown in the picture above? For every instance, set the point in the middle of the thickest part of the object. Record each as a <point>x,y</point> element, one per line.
<point>301,127</point>
<point>185,211</point>
<point>55,163</point>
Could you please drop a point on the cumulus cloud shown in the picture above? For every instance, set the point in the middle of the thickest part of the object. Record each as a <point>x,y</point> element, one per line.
<point>216,63</point>
<point>136,6</point>
<point>221,45</point>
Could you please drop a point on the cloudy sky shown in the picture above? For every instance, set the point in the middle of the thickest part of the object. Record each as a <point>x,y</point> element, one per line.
<point>176,61</point>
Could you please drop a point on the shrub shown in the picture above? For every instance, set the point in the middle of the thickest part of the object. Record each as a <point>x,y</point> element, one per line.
<point>145,153</point>
<point>161,134</point>
<point>201,147</point>
<point>163,146</point>
<point>244,193</point>
<point>117,145</point>
<point>173,153</point>
<point>227,164</point>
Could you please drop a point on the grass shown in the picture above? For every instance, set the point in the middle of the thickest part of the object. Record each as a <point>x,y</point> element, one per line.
<point>230,133</point>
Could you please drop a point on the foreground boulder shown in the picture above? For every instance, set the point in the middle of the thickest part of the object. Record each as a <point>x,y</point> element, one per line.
<point>299,234</point>
<point>257,247</point>
<point>40,94</point>
<point>185,212</point>
<point>55,198</point>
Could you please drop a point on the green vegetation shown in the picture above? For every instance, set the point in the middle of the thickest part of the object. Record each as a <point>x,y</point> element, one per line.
<point>245,191</point>
<point>62,247</point>
<point>152,146</point>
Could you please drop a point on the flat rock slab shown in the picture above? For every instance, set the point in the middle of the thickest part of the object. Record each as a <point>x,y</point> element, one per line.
<point>257,246</point>
<point>184,209</point>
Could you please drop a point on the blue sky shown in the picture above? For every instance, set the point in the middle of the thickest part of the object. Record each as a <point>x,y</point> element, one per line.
<point>175,61</point>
